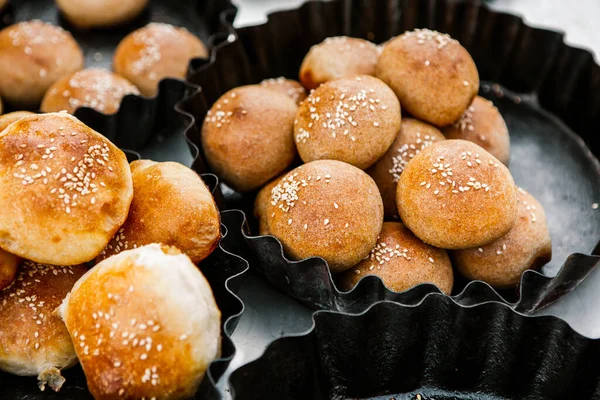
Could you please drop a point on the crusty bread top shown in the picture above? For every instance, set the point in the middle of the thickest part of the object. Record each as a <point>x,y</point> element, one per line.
<point>288,87</point>
<point>9,118</point>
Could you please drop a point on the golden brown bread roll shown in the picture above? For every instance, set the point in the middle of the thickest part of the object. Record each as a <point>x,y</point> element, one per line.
<point>288,87</point>
<point>9,118</point>
<point>154,52</point>
<point>338,57</point>
<point>414,136</point>
<point>247,136</point>
<point>456,195</point>
<point>483,125</point>
<point>327,209</point>
<point>171,205</point>
<point>261,205</point>
<point>402,261</point>
<point>64,189</point>
<point>526,246</point>
<point>354,120</point>
<point>100,13</point>
<point>144,324</point>
<point>434,77</point>
<point>33,339</point>
<point>8,268</point>
<point>95,88</point>
<point>34,55</point>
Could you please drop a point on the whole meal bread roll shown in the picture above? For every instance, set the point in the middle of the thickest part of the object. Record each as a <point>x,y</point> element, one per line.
<point>9,118</point>
<point>145,324</point>
<point>8,268</point>
<point>456,195</point>
<point>100,13</point>
<point>34,55</point>
<point>434,77</point>
<point>64,189</point>
<point>326,209</point>
<point>526,246</point>
<point>33,339</point>
<point>171,205</point>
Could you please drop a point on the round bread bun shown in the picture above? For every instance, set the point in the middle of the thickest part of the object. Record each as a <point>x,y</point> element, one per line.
<point>402,261</point>
<point>338,57</point>
<point>434,77</point>
<point>502,262</point>
<point>8,268</point>
<point>34,55</point>
<point>483,125</point>
<point>95,88</point>
<point>100,14</point>
<point>413,137</point>
<point>327,209</point>
<point>354,120</point>
<point>288,87</point>
<point>145,324</point>
<point>154,52</point>
<point>33,339</point>
<point>456,195</point>
<point>9,118</point>
<point>247,136</point>
<point>171,205</point>
<point>261,205</point>
<point>64,189</point>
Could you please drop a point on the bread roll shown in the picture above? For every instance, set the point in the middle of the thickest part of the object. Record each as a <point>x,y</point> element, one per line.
<point>8,268</point>
<point>34,55</point>
<point>9,118</point>
<point>171,205</point>
<point>526,246</point>
<point>64,189</point>
<point>483,125</point>
<point>33,339</point>
<point>354,120</point>
<point>413,137</point>
<point>338,57</point>
<point>288,87</point>
<point>402,261</point>
<point>145,325</point>
<point>95,88</point>
<point>154,52</point>
<point>100,13</point>
<point>456,195</point>
<point>326,209</point>
<point>434,77</point>
<point>247,136</point>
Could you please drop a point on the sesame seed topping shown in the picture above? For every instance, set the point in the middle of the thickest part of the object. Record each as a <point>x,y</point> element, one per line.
<point>594,206</point>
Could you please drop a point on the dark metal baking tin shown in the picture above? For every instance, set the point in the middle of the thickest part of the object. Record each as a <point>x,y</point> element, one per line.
<point>153,128</point>
<point>549,156</point>
<point>437,349</point>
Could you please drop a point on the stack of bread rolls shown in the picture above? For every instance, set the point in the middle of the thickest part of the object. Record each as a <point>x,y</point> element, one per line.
<point>409,199</point>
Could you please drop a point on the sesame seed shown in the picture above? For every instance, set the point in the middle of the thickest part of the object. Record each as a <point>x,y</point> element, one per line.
<point>326,221</point>
<point>117,364</point>
<point>594,206</point>
<point>431,260</point>
<point>183,337</point>
<point>143,356</point>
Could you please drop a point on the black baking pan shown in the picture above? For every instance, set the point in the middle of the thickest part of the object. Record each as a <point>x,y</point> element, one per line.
<point>547,91</point>
<point>437,350</point>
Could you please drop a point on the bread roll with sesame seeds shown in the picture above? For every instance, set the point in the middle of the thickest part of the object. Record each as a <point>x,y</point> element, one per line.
<point>456,195</point>
<point>34,55</point>
<point>171,205</point>
<point>8,268</point>
<point>154,52</point>
<point>414,136</point>
<point>247,136</point>
<point>64,189</point>
<point>434,77</point>
<point>402,261</point>
<point>33,339</point>
<point>9,118</point>
<point>527,245</point>
<point>145,324</point>
<point>483,125</point>
<point>354,120</point>
<point>100,13</point>
<point>261,204</point>
<point>288,87</point>
<point>327,209</point>
<point>95,88</point>
<point>338,57</point>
